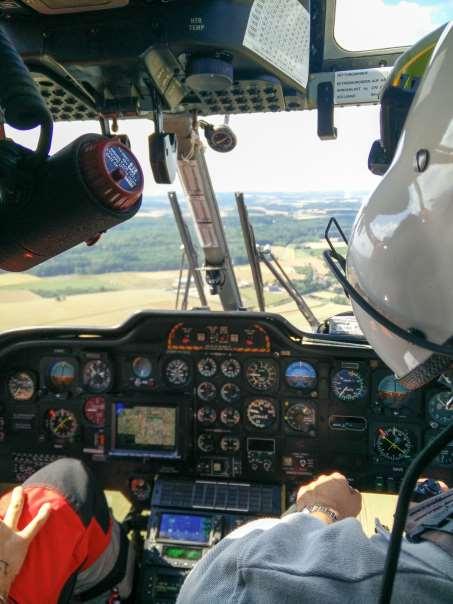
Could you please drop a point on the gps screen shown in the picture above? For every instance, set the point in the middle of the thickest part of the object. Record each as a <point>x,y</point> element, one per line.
<point>145,428</point>
<point>182,527</point>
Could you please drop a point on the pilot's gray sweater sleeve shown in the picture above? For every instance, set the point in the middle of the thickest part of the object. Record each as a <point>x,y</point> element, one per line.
<point>300,559</point>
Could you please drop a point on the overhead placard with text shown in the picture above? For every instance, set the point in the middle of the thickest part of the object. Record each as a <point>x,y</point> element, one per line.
<point>360,85</point>
<point>279,32</point>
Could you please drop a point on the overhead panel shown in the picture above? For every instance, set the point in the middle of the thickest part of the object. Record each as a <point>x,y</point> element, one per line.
<point>52,7</point>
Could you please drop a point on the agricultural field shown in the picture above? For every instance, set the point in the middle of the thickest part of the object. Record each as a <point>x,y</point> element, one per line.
<point>109,299</point>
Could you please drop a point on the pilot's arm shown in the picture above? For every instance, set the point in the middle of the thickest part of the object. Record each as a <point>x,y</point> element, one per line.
<point>313,557</point>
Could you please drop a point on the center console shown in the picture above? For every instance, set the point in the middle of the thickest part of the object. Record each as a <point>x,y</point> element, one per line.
<point>187,519</point>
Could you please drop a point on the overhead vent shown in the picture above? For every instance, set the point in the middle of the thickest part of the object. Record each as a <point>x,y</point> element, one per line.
<point>55,7</point>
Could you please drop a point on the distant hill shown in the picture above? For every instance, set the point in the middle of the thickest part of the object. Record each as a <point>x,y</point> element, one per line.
<point>151,242</point>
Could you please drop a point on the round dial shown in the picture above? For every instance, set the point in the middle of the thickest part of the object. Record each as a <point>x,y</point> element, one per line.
<point>391,392</point>
<point>206,415</point>
<point>94,410</point>
<point>141,489</point>
<point>177,372</point>
<point>230,392</point>
<point>206,442</point>
<point>231,368</point>
<point>206,391</point>
<point>142,367</point>
<point>440,408</point>
<point>301,375</point>
<point>230,444</point>
<point>348,385</point>
<point>97,376</point>
<point>62,423</point>
<point>261,413</point>
<point>21,386</point>
<point>62,375</point>
<point>394,444</point>
<point>300,417</point>
<point>207,367</point>
<point>262,375</point>
<point>230,416</point>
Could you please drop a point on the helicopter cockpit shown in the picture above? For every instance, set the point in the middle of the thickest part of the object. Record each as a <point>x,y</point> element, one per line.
<point>202,419</point>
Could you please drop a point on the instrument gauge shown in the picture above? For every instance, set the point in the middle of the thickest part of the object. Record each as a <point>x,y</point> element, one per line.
<point>21,386</point>
<point>97,376</point>
<point>94,410</point>
<point>177,372</point>
<point>231,368</point>
<point>301,376</point>
<point>206,415</point>
<point>230,444</point>
<point>445,457</point>
<point>207,367</point>
<point>206,391</point>
<point>62,423</point>
<point>440,408</point>
<point>206,442</point>
<point>300,417</point>
<point>391,392</point>
<point>230,416</point>
<point>348,385</point>
<point>262,375</point>
<point>261,413</point>
<point>230,392</point>
<point>394,444</point>
<point>62,375</point>
<point>142,367</point>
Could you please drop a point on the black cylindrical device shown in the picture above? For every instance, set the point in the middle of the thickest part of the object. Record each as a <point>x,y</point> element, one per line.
<point>83,190</point>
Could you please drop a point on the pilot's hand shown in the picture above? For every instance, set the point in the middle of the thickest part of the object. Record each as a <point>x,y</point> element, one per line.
<point>333,492</point>
<point>14,544</point>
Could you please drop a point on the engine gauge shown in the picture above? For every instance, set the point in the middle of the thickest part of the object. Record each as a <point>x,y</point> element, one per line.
<point>445,457</point>
<point>301,376</point>
<point>62,423</point>
<point>300,417</point>
<point>206,442</point>
<point>142,367</point>
<point>94,410</point>
<point>230,444</point>
<point>262,375</point>
<point>394,444</point>
<point>348,385</point>
<point>21,386</point>
<point>177,372</point>
<point>97,376</point>
<point>231,368</point>
<point>440,408</point>
<point>262,413</point>
<point>230,416</point>
<point>62,375</point>
<point>206,391</point>
<point>230,392</point>
<point>391,392</point>
<point>207,367</point>
<point>206,415</point>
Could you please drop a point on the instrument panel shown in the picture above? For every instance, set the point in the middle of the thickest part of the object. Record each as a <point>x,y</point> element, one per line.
<point>210,395</point>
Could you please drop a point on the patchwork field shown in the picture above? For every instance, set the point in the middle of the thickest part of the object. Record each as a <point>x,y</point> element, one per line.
<point>109,299</point>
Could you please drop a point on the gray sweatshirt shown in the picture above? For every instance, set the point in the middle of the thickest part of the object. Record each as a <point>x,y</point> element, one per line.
<point>300,559</point>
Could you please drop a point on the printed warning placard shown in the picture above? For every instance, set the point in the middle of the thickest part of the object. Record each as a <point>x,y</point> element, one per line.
<point>359,85</point>
<point>279,32</point>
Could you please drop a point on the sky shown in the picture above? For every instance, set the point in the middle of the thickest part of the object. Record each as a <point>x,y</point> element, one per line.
<point>281,152</point>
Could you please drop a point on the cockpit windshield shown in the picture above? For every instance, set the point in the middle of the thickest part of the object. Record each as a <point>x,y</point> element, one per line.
<point>292,185</point>
<point>376,24</point>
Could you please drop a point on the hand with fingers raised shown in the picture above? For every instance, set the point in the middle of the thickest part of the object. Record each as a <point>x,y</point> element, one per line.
<point>14,543</point>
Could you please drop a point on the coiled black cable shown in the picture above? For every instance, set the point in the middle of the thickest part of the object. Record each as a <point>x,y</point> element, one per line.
<point>23,105</point>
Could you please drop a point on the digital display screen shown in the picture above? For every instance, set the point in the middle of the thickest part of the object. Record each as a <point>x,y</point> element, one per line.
<point>140,428</point>
<point>185,527</point>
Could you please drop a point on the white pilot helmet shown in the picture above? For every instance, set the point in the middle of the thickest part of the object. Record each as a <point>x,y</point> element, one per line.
<point>400,254</point>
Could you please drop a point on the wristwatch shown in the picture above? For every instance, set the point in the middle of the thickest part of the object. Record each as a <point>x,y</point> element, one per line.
<point>316,507</point>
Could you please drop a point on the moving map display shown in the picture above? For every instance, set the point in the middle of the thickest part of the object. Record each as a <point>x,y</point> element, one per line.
<point>143,428</point>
